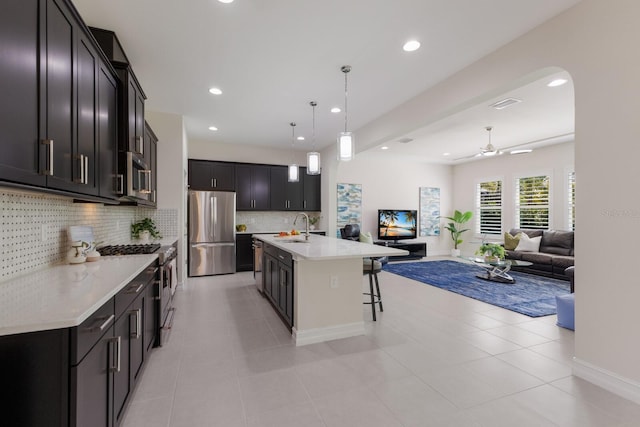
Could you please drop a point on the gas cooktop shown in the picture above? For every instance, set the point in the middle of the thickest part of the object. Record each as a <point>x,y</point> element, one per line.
<point>129,249</point>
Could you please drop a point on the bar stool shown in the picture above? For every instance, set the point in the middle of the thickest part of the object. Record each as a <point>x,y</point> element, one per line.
<point>372,267</point>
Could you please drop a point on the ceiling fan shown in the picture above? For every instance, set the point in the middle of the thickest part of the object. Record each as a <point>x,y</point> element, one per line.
<point>489,150</point>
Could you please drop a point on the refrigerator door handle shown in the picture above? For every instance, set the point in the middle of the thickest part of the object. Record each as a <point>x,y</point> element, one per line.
<point>209,245</point>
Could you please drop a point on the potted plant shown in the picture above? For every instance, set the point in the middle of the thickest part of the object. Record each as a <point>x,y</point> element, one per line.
<point>313,220</point>
<point>456,229</point>
<point>491,251</point>
<point>144,229</point>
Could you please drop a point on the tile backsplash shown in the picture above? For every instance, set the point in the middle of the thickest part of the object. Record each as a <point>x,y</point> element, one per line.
<point>270,222</point>
<point>33,231</point>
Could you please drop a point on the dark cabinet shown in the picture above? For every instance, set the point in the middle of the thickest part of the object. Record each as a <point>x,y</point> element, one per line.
<point>132,115</point>
<point>80,376</point>
<point>107,132</point>
<point>49,74</point>
<point>151,157</point>
<point>252,187</point>
<point>20,88</point>
<point>207,176</point>
<point>312,193</point>
<point>277,270</point>
<point>244,252</point>
<point>285,195</point>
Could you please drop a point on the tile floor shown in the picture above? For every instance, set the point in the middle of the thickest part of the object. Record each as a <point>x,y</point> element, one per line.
<point>433,358</point>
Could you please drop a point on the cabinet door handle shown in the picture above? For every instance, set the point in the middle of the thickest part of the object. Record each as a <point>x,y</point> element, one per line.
<point>136,334</point>
<point>215,183</point>
<point>119,183</point>
<point>140,145</point>
<point>80,179</point>
<point>103,326</point>
<point>86,169</point>
<point>49,168</point>
<point>115,367</point>
<point>304,204</point>
<point>138,289</point>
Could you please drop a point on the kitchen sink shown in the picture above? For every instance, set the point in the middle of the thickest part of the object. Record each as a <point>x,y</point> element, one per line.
<point>295,241</point>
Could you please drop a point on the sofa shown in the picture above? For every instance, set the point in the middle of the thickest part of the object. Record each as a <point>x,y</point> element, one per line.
<point>554,256</point>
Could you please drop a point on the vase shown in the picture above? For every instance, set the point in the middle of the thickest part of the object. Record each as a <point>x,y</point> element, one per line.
<point>455,252</point>
<point>312,227</point>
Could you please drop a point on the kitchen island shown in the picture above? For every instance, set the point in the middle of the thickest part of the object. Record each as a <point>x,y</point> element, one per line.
<point>327,284</point>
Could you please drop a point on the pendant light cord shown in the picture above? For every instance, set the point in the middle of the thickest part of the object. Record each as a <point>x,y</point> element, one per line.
<point>345,70</point>
<point>313,125</point>
<point>293,136</point>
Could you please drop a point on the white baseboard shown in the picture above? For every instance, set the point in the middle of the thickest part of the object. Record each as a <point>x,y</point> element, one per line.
<point>312,336</point>
<point>613,382</point>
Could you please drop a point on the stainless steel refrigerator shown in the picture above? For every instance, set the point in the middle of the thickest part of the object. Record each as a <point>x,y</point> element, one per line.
<point>212,232</point>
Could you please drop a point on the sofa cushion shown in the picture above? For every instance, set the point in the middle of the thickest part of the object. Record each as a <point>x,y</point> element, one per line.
<point>557,242</point>
<point>562,261</point>
<point>528,231</point>
<point>537,257</point>
<point>511,242</point>
<point>529,244</point>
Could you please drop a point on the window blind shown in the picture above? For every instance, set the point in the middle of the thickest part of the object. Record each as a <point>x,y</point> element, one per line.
<point>489,207</point>
<point>532,202</point>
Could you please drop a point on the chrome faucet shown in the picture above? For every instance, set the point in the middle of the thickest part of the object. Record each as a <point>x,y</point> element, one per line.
<point>306,229</point>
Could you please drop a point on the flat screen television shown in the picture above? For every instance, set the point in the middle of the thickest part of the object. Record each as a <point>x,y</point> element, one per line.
<point>397,224</point>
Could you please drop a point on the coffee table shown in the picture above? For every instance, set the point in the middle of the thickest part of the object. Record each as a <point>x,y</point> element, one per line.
<point>496,271</point>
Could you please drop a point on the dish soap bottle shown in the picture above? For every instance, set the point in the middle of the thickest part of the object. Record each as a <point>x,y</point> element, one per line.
<point>76,254</point>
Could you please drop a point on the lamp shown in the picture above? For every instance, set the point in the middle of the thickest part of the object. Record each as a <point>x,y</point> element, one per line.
<point>346,143</point>
<point>293,175</point>
<point>313,157</point>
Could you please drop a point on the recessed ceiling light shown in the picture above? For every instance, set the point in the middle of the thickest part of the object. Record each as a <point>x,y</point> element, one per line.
<point>336,110</point>
<point>213,128</point>
<point>215,91</point>
<point>300,138</point>
<point>557,82</point>
<point>446,154</point>
<point>522,151</point>
<point>225,1</point>
<point>411,45</point>
<point>384,147</point>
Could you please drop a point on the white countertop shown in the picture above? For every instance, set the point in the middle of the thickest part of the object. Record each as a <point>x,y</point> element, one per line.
<point>324,248</point>
<point>65,295</point>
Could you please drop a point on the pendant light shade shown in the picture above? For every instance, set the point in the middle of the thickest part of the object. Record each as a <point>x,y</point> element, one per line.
<point>313,157</point>
<point>293,174</point>
<point>346,143</point>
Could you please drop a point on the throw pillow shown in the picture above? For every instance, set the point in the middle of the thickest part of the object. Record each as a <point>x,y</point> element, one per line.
<point>511,242</point>
<point>529,244</point>
<point>365,237</point>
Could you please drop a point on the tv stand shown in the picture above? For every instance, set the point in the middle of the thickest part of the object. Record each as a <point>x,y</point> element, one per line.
<point>416,249</point>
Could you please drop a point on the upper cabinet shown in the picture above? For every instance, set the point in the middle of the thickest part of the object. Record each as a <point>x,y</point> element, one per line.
<point>50,73</point>
<point>252,187</point>
<point>20,84</point>
<point>285,195</point>
<point>151,140</point>
<point>312,193</point>
<point>212,176</point>
<point>257,187</point>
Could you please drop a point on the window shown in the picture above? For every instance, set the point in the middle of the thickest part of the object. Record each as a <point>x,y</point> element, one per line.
<point>571,198</point>
<point>532,202</point>
<point>489,207</point>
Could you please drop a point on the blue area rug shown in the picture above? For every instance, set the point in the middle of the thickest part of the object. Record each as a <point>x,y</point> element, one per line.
<point>531,295</point>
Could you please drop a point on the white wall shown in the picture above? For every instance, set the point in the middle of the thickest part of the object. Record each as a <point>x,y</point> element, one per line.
<point>169,128</point>
<point>392,183</point>
<point>555,161</point>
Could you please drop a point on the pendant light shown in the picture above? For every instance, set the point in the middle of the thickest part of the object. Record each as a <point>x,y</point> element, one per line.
<point>313,157</point>
<point>293,175</point>
<point>346,145</point>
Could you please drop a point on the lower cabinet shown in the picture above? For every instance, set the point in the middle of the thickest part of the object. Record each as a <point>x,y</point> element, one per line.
<point>81,376</point>
<point>277,270</point>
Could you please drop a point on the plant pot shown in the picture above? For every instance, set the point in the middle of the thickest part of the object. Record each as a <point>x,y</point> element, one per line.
<point>144,237</point>
<point>455,252</point>
<point>312,227</point>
